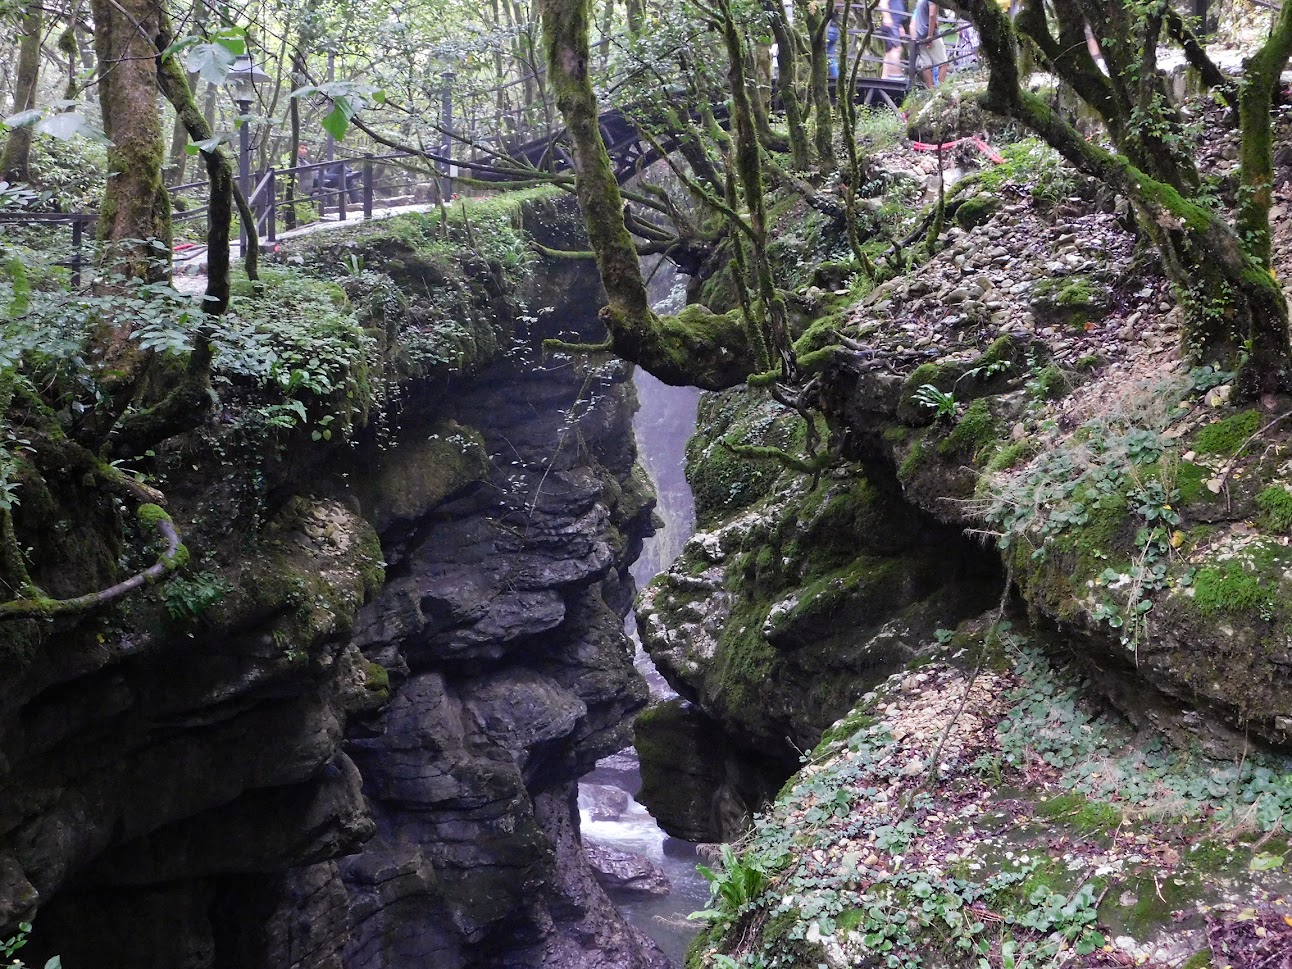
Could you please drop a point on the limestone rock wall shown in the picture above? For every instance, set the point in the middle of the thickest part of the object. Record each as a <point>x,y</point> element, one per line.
<point>363,753</point>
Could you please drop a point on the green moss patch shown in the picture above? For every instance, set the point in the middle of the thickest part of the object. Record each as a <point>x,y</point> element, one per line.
<point>1012,454</point>
<point>1076,300</point>
<point>1227,436</point>
<point>1275,503</point>
<point>1085,816</point>
<point>1191,482</point>
<point>974,434</point>
<point>1229,590</point>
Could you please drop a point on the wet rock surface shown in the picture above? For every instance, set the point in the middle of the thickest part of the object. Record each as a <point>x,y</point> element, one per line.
<point>623,871</point>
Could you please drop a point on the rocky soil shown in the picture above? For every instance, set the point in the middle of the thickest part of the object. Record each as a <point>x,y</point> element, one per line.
<point>1012,425</point>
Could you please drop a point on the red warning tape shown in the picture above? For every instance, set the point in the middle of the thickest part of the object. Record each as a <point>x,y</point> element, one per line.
<point>978,143</point>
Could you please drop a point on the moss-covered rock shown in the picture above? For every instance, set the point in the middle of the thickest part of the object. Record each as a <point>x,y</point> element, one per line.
<point>1074,300</point>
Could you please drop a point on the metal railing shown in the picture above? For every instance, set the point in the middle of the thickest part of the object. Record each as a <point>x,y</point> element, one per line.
<point>76,221</point>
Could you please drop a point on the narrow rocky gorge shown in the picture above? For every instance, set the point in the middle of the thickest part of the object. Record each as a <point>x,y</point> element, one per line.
<point>365,751</point>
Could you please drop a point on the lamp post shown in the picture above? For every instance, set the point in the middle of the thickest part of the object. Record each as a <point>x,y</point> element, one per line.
<point>241,80</point>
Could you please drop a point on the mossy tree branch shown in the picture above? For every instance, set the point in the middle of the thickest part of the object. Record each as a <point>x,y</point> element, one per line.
<point>697,347</point>
<point>1196,54</point>
<point>52,451</point>
<point>1234,306</point>
<point>754,452</point>
<point>171,557</point>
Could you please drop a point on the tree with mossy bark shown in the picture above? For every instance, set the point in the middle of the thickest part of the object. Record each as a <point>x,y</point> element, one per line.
<point>134,219</point>
<point>1234,308</point>
<point>697,347</point>
<point>15,158</point>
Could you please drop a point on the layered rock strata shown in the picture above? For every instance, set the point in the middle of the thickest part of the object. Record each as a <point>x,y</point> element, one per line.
<point>360,748</point>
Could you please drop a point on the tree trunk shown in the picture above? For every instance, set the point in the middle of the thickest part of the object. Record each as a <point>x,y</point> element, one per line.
<point>15,163</point>
<point>822,110</point>
<point>1233,305</point>
<point>787,86</point>
<point>695,348</point>
<point>134,219</point>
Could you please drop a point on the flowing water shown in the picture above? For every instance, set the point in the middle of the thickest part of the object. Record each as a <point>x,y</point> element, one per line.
<point>608,814</point>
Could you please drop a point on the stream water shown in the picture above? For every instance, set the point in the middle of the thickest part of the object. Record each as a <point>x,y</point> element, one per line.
<point>608,814</point>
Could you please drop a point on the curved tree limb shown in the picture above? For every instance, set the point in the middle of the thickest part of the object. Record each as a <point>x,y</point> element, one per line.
<point>697,347</point>
<point>1196,54</point>
<point>172,556</point>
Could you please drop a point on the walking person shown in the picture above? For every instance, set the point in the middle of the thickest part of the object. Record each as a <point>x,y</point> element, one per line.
<point>891,30</point>
<point>930,51</point>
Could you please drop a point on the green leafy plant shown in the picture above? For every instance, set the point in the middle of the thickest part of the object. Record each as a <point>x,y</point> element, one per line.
<point>735,885</point>
<point>10,946</point>
<point>942,404</point>
<point>188,598</point>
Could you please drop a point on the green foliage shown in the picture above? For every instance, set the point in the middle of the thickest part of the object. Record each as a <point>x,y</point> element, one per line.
<point>879,128</point>
<point>299,338</point>
<point>72,170</point>
<point>732,888</point>
<point>188,598</point>
<point>1033,165</point>
<point>942,403</point>
<point>1094,758</point>
<point>9,948</point>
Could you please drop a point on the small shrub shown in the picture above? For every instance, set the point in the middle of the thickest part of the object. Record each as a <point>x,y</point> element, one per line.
<point>189,598</point>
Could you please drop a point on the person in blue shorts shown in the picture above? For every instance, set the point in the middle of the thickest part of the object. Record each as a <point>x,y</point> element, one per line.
<point>892,28</point>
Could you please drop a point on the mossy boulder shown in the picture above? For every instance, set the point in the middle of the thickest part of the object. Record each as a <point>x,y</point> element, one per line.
<point>1074,300</point>
<point>437,461</point>
<point>976,211</point>
<point>697,786</point>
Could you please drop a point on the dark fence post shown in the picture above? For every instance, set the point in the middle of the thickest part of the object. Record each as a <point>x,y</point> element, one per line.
<point>446,142</point>
<point>78,226</point>
<point>273,205</point>
<point>244,169</point>
<point>289,195</point>
<point>367,186</point>
<point>343,190</point>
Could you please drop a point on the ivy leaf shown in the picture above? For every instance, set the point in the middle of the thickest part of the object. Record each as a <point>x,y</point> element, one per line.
<point>70,125</point>
<point>337,121</point>
<point>207,145</point>
<point>211,62</point>
<point>1264,861</point>
<point>232,39</point>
